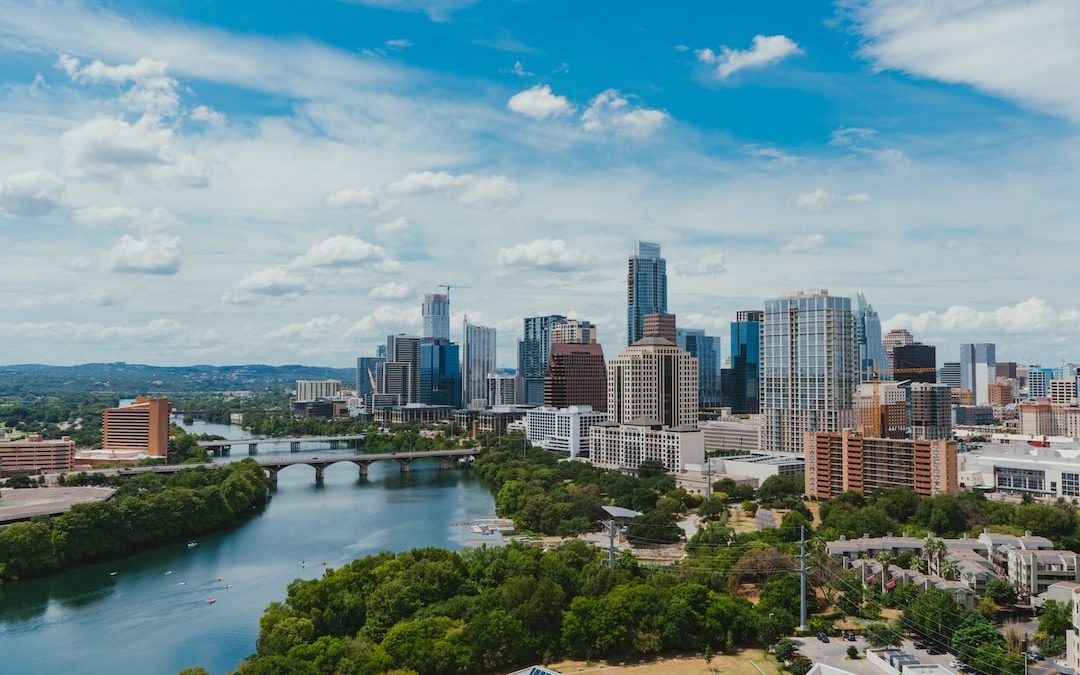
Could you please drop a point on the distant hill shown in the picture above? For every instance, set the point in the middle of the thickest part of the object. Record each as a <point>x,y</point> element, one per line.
<point>130,379</point>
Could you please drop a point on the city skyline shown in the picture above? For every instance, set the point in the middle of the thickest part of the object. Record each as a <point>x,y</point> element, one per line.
<point>313,192</point>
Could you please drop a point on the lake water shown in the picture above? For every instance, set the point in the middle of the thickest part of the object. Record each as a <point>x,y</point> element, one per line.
<point>143,620</point>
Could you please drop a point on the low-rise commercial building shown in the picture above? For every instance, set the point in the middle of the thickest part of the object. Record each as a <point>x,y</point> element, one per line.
<point>626,446</point>
<point>314,390</point>
<point>1043,472</point>
<point>562,429</point>
<point>733,433</point>
<point>414,412</point>
<point>845,460</point>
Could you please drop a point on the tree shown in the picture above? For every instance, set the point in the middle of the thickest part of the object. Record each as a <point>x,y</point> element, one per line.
<point>781,591</point>
<point>1052,645</point>
<point>1001,592</point>
<point>852,652</point>
<point>987,608</point>
<point>933,614</point>
<point>880,634</point>
<point>712,509</point>
<point>1055,618</point>
<point>654,527</point>
<point>800,666</point>
<point>784,649</point>
<point>974,632</point>
<point>777,487</point>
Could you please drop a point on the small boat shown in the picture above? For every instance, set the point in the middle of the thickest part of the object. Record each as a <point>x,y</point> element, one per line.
<point>182,583</point>
<point>168,572</point>
<point>218,579</point>
<point>211,601</point>
<point>192,544</point>
<point>228,586</point>
<point>113,574</point>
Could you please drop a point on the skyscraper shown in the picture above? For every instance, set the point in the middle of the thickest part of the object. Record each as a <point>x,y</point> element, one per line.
<point>706,349</point>
<point>743,394</point>
<point>533,353</point>
<point>978,370</point>
<point>401,372</point>
<point>661,325</point>
<point>369,373</point>
<point>809,360</point>
<point>576,375</point>
<point>655,380</point>
<point>931,411</point>
<point>646,288</point>
<point>573,331</point>
<point>436,312</point>
<point>872,355</point>
<point>440,373</point>
<point>897,337</point>
<point>477,362</point>
<point>950,374</point>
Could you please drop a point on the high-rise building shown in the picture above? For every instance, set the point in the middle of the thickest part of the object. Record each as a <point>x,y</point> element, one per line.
<point>743,377</point>
<point>809,360</point>
<point>142,427</point>
<point>978,368</point>
<point>477,362</point>
<point>562,429</point>
<point>576,376</point>
<point>1063,391</point>
<point>706,349</point>
<point>872,355</point>
<point>436,313</point>
<point>369,375</point>
<point>401,372</point>
<point>891,411</point>
<point>914,357</point>
<point>1039,379</point>
<point>661,325</point>
<point>897,337</point>
<point>440,373</point>
<point>502,389</point>
<point>1006,369</point>
<point>646,288</point>
<point>316,390</point>
<point>533,353</point>
<point>843,461</point>
<point>1001,393</point>
<point>653,379</point>
<point>950,374</point>
<point>573,331</point>
<point>930,407</point>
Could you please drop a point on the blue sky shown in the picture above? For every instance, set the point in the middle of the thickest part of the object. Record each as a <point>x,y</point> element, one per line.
<point>178,177</point>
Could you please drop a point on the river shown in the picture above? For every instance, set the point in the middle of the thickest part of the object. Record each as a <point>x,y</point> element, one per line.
<point>145,620</point>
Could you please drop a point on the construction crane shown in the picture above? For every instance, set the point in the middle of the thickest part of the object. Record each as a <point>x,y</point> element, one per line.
<point>449,286</point>
<point>876,396</point>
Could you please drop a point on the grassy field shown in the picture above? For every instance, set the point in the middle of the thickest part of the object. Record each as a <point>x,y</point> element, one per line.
<point>748,662</point>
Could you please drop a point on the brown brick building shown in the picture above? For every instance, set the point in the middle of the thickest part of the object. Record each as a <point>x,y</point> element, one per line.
<point>844,461</point>
<point>576,375</point>
<point>142,427</point>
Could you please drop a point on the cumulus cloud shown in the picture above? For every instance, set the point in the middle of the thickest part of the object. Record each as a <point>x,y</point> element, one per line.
<point>610,111</point>
<point>1023,50</point>
<point>539,103</point>
<point>765,50</point>
<point>125,217</point>
<point>152,92</point>
<point>1034,315</point>
<point>145,254</point>
<point>707,265</point>
<point>391,291</point>
<point>547,254</point>
<point>519,70</point>
<point>493,192</point>
<point>819,199</point>
<point>335,331</point>
<point>803,243</point>
<point>202,113</point>
<point>368,200</point>
<point>272,282</point>
<point>30,194</point>
<point>343,251</point>
<point>393,228</point>
<point>108,148</point>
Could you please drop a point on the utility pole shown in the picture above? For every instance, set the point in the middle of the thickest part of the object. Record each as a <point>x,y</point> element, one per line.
<point>802,578</point>
<point>611,544</point>
<point>708,478</point>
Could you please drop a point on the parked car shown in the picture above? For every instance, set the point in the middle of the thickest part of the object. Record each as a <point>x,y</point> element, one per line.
<point>934,650</point>
<point>822,636</point>
<point>919,644</point>
<point>849,636</point>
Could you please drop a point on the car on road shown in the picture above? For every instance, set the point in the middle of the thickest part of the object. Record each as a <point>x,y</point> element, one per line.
<point>823,637</point>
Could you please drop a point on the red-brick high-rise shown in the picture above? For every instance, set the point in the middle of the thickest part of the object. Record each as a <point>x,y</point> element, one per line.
<point>576,375</point>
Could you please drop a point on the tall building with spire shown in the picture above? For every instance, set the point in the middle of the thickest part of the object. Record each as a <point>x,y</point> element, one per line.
<point>477,362</point>
<point>646,288</point>
<point>436,313</point>
<point>809,360</point>
<point>872,355</point>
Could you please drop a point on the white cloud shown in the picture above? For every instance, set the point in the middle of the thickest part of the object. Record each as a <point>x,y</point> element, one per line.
<point>803,243</point>
<point>159,332</point>
<point>519,70</point>
<point>387,316</point>
<point>819,199</point>
<point>391,291</point>
<point>493,192</point>
<point>145,254</point>
<point>774,157</point>
<point>437,10</point>
<point>610,111</point>
<point>539,103</point>
<point>367,199</point>
<point>1023,50</point>
<point>313,330</point>
<point>30,194</point>
<point>765,50</point>
<point>125,217</point>
<point>709,264</point>
<point>202,113</point>
<point>548,254</point>
<point>78,299</point>
<point>272,282</point>
<point>1034,315</point>
<point>848,136</point>
<point>398,43</point>
<point>342,251</point>
<point>109,148</point>
<point>153,91</point>
<point>392,228</point>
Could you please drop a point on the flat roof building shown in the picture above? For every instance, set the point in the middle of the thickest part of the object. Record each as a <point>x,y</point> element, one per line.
<point>843,461</point>
<point>35,455</point>
<point>562,429</point>
<point>142,427</point>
